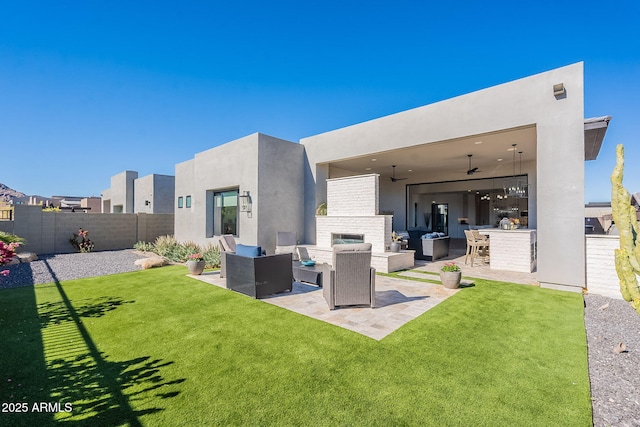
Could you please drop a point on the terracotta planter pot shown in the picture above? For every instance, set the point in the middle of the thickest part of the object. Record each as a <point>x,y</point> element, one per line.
<point>450,279</point>
<point>195,267</point>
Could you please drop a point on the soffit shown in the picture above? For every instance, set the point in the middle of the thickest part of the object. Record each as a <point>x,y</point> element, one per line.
<point>446,156</point>
<point>594,131</point>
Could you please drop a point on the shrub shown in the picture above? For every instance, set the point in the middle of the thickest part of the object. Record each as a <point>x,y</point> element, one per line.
<point>81,241</point>
<point>189,248</point>
<point>195,257</point>
<point>144,246</point>
<point>211,255</point>
<point>165,246</point>
<point>168,247</point>
<point>7,252</point>
<point>321,209</point>
<point>450,266</point>
<point>10,238</point>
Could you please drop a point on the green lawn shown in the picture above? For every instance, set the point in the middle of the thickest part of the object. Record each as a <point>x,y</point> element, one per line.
<point>157,348</point>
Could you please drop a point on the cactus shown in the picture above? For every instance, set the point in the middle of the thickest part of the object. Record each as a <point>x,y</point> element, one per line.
<point>624,215</point>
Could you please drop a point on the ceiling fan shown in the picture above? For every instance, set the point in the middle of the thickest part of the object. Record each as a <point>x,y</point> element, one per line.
<point>471,170</point>
<point>393,177</point>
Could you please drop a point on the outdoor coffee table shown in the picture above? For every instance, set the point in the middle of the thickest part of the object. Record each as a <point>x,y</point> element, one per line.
<point>308,274</point>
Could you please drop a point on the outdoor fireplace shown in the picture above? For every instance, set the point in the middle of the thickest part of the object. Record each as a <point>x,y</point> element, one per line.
<point>342,238</point>
<point>352,214</point>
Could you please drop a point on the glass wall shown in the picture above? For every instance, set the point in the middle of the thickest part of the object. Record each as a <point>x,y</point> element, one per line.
<point>476,202</point>
<point>222,212</point>
<point>225,212</point>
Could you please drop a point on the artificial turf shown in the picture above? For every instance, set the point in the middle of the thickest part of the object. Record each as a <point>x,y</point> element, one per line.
<point>157,348</point>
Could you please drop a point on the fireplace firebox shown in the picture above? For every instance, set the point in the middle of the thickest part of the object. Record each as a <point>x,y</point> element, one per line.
<point>342,238</point>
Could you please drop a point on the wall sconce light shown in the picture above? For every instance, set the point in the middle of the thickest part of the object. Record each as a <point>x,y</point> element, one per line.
<point>559,90</point>
<point>245,202</point>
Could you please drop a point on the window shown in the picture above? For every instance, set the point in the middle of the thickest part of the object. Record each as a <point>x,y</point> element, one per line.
<point>180,202</point>
<point>222,212</point>
<point>188,201</point>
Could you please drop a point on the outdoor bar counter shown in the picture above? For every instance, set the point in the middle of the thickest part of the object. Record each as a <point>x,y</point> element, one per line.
<point>512,250</point>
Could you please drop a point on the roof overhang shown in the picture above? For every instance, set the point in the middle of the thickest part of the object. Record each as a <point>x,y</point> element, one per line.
<point>594,131</point>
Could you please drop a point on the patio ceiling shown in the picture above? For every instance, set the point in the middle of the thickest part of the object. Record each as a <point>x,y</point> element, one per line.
<point>448,157</point>
<point>492,154</point>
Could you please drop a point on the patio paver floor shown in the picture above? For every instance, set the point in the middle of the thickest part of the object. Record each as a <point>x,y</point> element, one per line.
<point>397,302</point>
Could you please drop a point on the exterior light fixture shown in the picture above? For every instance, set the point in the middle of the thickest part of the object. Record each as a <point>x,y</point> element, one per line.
<point>245,202</point>
<point>559,90</point>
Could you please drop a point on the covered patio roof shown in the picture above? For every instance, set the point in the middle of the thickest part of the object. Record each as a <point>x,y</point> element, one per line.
<point>594,130</point>
<point>492,154</point>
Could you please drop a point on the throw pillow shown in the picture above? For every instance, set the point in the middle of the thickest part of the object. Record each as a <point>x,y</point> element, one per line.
<point>248,251</point>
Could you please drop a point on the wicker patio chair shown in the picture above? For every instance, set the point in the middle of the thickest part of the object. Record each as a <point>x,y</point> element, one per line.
<point>351,279</point>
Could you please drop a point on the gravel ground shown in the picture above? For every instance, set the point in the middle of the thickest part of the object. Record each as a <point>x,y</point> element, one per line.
<point>615,377</point>
<point>49,268</point>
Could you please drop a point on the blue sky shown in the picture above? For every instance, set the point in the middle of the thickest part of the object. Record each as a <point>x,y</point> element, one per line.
<point>90,89</point>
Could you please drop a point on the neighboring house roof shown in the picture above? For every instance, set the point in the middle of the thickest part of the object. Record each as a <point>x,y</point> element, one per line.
<point>594,130</point>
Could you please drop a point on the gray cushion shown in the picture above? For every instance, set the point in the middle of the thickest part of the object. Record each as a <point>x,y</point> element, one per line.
<point>287,250</point>
<point>352,247</point>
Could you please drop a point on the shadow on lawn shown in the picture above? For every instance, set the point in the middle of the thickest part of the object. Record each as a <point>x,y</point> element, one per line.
<point>99,391</point>
<point>52,313</point>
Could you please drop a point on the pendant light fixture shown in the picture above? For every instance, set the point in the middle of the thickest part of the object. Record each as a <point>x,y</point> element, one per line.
<point>516,187</point>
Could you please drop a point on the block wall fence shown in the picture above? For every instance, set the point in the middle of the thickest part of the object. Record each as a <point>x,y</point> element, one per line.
<point>602,278</point>
<point>49,232</point>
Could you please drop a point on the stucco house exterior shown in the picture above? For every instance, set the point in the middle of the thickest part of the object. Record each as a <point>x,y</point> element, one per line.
<point>267,172</point>
<point>152,194</point>
<point>530,130</point>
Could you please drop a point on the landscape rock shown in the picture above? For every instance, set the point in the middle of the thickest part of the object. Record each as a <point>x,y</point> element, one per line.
<point>26,257</point>
<point>147,263</point>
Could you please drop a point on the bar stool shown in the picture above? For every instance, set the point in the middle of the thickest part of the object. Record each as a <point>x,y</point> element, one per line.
<point>476,247</point>
<point>484,244</point>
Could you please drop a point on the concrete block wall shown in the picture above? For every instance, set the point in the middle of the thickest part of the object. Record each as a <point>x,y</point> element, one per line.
<point>49,232</point>
<point>150,227</point>
<point>355,195</point>
<point>376,229</point>
<point>6,226</point>
<point>108,232</point>
<point>602,278</point>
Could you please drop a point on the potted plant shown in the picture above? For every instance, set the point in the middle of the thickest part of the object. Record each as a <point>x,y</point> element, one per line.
<point>396,241</point>
<point>450,275</point>
<point>195,263</point>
